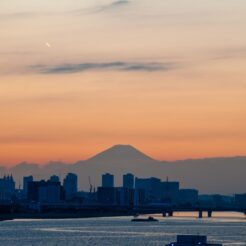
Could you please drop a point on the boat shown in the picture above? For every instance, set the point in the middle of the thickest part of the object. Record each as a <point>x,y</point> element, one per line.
<point>192,240</point>
<point>149,219</point>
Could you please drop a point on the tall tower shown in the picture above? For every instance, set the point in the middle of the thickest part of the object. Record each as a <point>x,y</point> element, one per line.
<point>128,181</point>
<point>107,180</point>
<point>26,181</point>
<point>70,184</point>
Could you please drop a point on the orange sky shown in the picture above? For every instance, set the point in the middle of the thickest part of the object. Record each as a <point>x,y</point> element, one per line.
<point>164,76</point>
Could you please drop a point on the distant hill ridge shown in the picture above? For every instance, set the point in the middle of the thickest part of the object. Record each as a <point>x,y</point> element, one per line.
<point>210,175</point>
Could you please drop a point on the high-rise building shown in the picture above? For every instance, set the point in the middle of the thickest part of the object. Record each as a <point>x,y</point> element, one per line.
<point>170,191</point>
<point>55,178</point>
<point>44,191</point>
<point>26,180</point>
<point>188,196</point>
<point>151,187</point>
<point>49,192</point>
<point>128,181</point>
<point>7,188</point>
<point>70,185</point>
<point>107,180</point>
<point>32,190</point>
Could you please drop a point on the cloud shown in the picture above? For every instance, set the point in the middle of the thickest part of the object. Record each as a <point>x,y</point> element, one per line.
<point>42,99</point>
<point>118,3</point>
<point>102,8</point>
<point>229,53</point>
<point>16,52</point>
<point>24,15</point>
<point>91,10</point>
<point>117,66</point>
<point>17,15</point>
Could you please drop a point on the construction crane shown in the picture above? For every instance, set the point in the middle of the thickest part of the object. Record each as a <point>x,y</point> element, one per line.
<point>90,185</point>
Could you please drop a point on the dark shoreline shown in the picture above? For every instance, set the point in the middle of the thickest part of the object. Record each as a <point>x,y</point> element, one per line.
<point>81,215</point>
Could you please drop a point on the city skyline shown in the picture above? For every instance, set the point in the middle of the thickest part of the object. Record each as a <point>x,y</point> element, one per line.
<point>133,191</point>
<point>201,173</point>
<point>165,76</point>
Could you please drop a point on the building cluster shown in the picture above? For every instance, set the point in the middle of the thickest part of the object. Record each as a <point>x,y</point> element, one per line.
<point>139,191</point>
<point>133,192</point>
<point>50,191</point>
<point>240,200</point>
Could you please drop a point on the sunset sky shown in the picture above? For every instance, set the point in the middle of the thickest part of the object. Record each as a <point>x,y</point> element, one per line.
<point>78,76</point>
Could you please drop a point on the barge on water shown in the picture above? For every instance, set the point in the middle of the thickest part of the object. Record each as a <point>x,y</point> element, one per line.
<point>149,219</point>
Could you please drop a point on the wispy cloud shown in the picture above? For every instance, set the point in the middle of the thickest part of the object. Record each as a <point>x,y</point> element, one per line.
<point>115,4</point>
<point>24,15</point>
<point>95,9</point>
<point>117,66</point>
<point>103,7</point>
<point>17,52</point>
<point>229,53</point>
<point>17,15</point>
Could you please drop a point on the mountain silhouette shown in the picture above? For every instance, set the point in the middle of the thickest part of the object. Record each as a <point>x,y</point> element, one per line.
<point>121,153</point>
<point>210,175</point>
<point>118,160</point>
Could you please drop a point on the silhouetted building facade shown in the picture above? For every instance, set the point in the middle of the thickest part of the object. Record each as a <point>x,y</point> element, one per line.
<point>128,181</point>
<point>188,196</point>
<point>106,195</point>
<point>221,200</point>
<point>240,200</point>
<point>215,200</point>
<point>115,196</point>
<point>151,186</point>
<point>124,196</point>
<point>49,192</point>
<point>7,188</point>
<point>54,178</point>
<point>32,190</point>
<point>26,180</point>
<point>139,197</point>
<point>44,191</point>
<point>70,185</point>
<point>107,180</point>
<point>170,191</point>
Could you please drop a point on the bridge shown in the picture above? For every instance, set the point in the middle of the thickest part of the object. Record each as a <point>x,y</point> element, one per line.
<point>169,211</point>
<point>63,210</point>
<point>165,210</point>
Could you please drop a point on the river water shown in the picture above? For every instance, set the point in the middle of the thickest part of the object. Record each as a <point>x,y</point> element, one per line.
<point>228,230</point>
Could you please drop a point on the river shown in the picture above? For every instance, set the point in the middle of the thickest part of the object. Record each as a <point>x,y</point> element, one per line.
<point>228,229</point>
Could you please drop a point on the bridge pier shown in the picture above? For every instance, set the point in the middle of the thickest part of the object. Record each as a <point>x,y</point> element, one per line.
<point>210,213</point>
<point>167,214</point>
<point>164,214</point>
<point>200,214</point>
<point>170,214</point>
